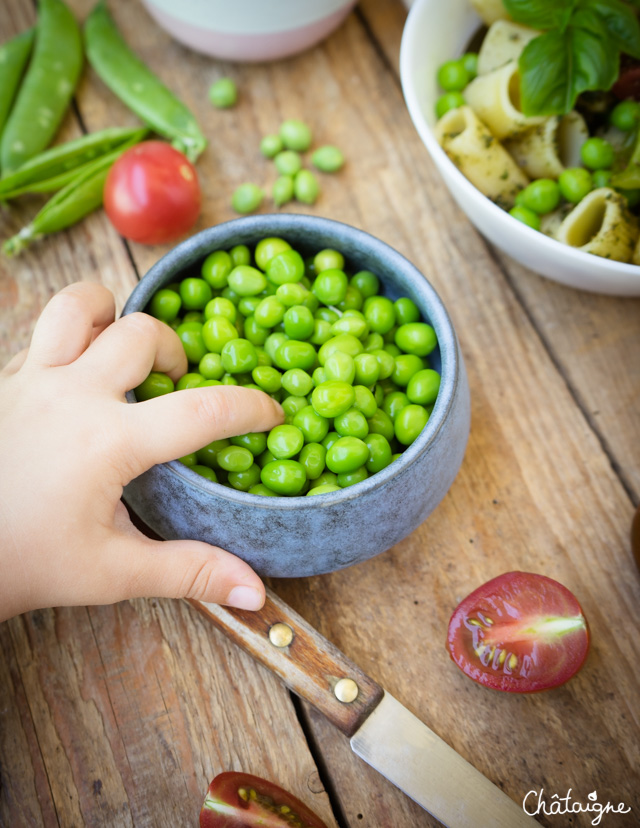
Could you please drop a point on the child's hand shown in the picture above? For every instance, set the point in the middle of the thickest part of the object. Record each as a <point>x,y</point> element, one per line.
<point>69,442</point>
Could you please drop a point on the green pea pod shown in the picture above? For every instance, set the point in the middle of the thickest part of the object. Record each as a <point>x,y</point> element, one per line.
<point>79,198</point>
<point>56,167</point>
<point>134,83</point>
<point>14,55</point>
<point>47,88</point>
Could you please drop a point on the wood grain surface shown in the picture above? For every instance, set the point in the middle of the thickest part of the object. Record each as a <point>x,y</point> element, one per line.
<point>121,715</point>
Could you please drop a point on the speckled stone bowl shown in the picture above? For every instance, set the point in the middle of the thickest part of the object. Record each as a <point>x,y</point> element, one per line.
<point>299,536</point>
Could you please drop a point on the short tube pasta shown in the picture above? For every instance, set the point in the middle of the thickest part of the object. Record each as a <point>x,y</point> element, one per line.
<point>495,98</point>
<point>490,10</point>
<point>480,156</point>
<point>550,147</point>
<point>601,224</point>
<point>503,42</point>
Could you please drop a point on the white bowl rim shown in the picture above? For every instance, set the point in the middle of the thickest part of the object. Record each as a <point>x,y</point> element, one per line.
<point>515,227</point>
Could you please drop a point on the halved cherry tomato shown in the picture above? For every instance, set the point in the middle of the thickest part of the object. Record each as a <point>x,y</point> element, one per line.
<point>152,194</point>
<point>520,633</point>
<point>240,800</point>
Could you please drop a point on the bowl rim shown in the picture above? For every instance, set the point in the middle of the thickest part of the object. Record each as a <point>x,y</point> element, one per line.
<point>409,42</point>
<point>212,238</point>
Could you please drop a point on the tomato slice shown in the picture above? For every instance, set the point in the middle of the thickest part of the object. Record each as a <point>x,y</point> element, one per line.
<point>152,194</point>
<point>519,633</point>
<point>240,800</point>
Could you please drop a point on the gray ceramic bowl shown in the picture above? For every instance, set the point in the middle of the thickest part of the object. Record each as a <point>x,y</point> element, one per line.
<point>300,536</point>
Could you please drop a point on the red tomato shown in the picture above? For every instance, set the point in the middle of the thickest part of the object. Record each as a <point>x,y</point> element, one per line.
<point>240,800</point>
<point>152,193</point>
<point>519,633</point>
<point>628,83</point>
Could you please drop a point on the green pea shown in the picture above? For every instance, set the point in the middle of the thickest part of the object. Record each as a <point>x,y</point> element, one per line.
<point>292,404</point>
<point>381,423</point>
<point>575,183</point>
<point>601,178</point>
<point>244,480</point>
<point>238,356</point>
<point>351,423</point>
<point>285,267</point>
<point>416,338</point>
<point>318,376</point>
<point>268,378</point>
<point>192,379</point>
<point>541,196</point>
<point>326,488</point>
<point>449,101</point>
<point>291,294</point>
<point>229,379</point>
<point>271,145</point>
<point>193,343</point>
<point>367,283</point>
<point>346,343</point>
<point>332,398</point>
<point>327,159</point>
<point>165,305</point>
<point>189,460</point>
<point>597,154</point>
<point>379,452</point>
<point>306,187</point>
<point>327,315</point>
<point>355,326</point>
<point>234,458</point>
<point>255,441</point>
<point>394,403</point>
<point>386,362</point>
<point>312,458</point>
<point>206,472</point>
<point>373,342</point>
<point>341,367</point>
<point>195,293</point>
<point>274,341</point>
<point>261,489</point>
<point>452,76</point>
<point>207,454</point>
<point>286,477</point>
<point>346,479</point>
<point>223,93</point>
<point>380,314</point>
<point>155,385</point>
<point>409,423</point>
<point>210,366</point>
<point>346,455</point>
<point>295,354</point>
<point>264,458</point>
<point>216,267</point>
<point>526,216</point>
<point>240,255</point>
<point>297,382</point>
<point>256,334</point>
<point>247,305</point>
<point>365,401</point>
<point>299,323</point>
<point>353,299</point>
<point>406,310</point>
<point>313,426</point>
<point>269,312</point>
<point>216,332</point>
<point>247,281</point>
<point>247,198</point>
<point>406,366</point>
<point>327,478</point>
<point>295,135</point>
<point>625,115</point>
<point>193,316</point>
<point>282,191</point>
<point>470,63</point>
<point>367,369</point>
<point>288,162</point>
<point>423,387</point>
<point>285,441</point>
<point>321,332</point>
<point>328,259</point>
<point>231,295</point>
<point>329,440</point>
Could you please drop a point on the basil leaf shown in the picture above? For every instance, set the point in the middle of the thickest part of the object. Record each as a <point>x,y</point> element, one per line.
<point>541,14</point>
<point>556,67</point>
<point>617,19</point>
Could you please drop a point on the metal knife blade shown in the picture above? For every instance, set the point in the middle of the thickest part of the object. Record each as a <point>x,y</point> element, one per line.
<point>382,731</point>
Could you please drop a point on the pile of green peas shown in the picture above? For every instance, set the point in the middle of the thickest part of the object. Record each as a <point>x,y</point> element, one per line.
<point>348,365</point>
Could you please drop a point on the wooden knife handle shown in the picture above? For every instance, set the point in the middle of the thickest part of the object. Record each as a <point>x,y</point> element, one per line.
<point>309,665</point>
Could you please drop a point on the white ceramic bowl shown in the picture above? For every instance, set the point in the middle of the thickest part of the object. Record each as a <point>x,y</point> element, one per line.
<point>249,30</point>
<point>435,32</point>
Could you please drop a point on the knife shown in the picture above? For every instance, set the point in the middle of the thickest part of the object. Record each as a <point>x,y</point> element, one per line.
<point>381,730</point>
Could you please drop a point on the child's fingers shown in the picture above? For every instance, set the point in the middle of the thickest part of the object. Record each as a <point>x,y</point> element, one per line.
<point>173,425</point>
<point>65,327</point>
<point>125,353</point>
<point>16,362</point>
<point>183,569</point>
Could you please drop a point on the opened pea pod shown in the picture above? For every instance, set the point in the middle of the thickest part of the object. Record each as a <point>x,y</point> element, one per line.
<point>14,55</point>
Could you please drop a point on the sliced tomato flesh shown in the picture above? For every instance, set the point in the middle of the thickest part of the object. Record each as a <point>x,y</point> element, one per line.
<point>519,633</point>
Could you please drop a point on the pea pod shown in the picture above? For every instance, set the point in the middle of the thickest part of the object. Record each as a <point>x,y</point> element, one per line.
<point>58,166</point>
<point>79,198</point>
<point>134,83</point>
<point>14,55</point>
<point>47,88</point>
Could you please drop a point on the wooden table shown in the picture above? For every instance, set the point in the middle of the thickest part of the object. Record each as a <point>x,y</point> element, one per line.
<point>121,715</point>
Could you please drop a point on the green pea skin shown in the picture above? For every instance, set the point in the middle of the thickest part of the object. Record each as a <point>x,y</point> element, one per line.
<point>597,154</point>
<point>406,366</point>
<point>326,488</point>
<point>271,145</point>
<point>416,338</point>
<point>219,306</point>
<point>247,198</point>
<point>330,286</point>
<point>264,458</point>
<point>346,455</point>
<point>367,283</point>
<point>231,295</point>
<point>274,341</point>
<point>321,332</point>
<point>409,423</point>
<point>575,183</point>
<point>346,343</point>
<point>373,342</point>
<point>386,362</point>
<point>346,479</point>
<point>328,159</point>
<point>367,369</point>
<point>223,94</point>
<point>452,76</point>
<point>285,441</point>
<point>210,366</point>
<point>207,454</point>
<point>328,259</point>
<point>356,326</point>
<point>332,398</point>
<point>255,441</point>
<point>625,115</point>
<point>542,196</point>
<point>285,477</point>
<point>262,490</point>
<point>256,334</point>
<point>215,269</point>
<point>195,293</point>
<point>394,403</point>
<point>216,332</point>
<point>449,101</point>
<point>406,310</point>
<point>352,423</point>
<point>244,480</point>
<point>193,316</point>
<point>423,387</point>
<point>330,439</point>
<point>381,423</point>
<point>292,404</point>
<point>379,452</point>
<point>295,354</point>
<point>285,267</point>
<point>267,378</point>
<point>312,457</point>
<point>206,472</point>
<point>247,281</point>
<point>240,255</point>
<point>365,401</point>
<point>165,305</point>
<point>341,367</point>
<point>299,322</point>
<point>380,314</point>
<point>318,376</point>
<point>291,294</point>
<point>282,191</point>
<point>306,188</point>
<point>526,216</point>
<point>238,356</point>
<point>269,312</point>
<point>288,162</point>
<point>295,135</point>
<point>192,379</point>
<point>234,458</point>
<point>327,315</point>
<point>353,299</point>
<point>189,460</point>
<point>297,382</point>
<point>155,385</point>
<point>193,343</point>
<point>313,426</point>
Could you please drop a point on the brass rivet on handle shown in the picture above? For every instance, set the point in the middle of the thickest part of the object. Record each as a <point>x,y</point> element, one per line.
<point>280,635</point>
<point>346,690</point>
